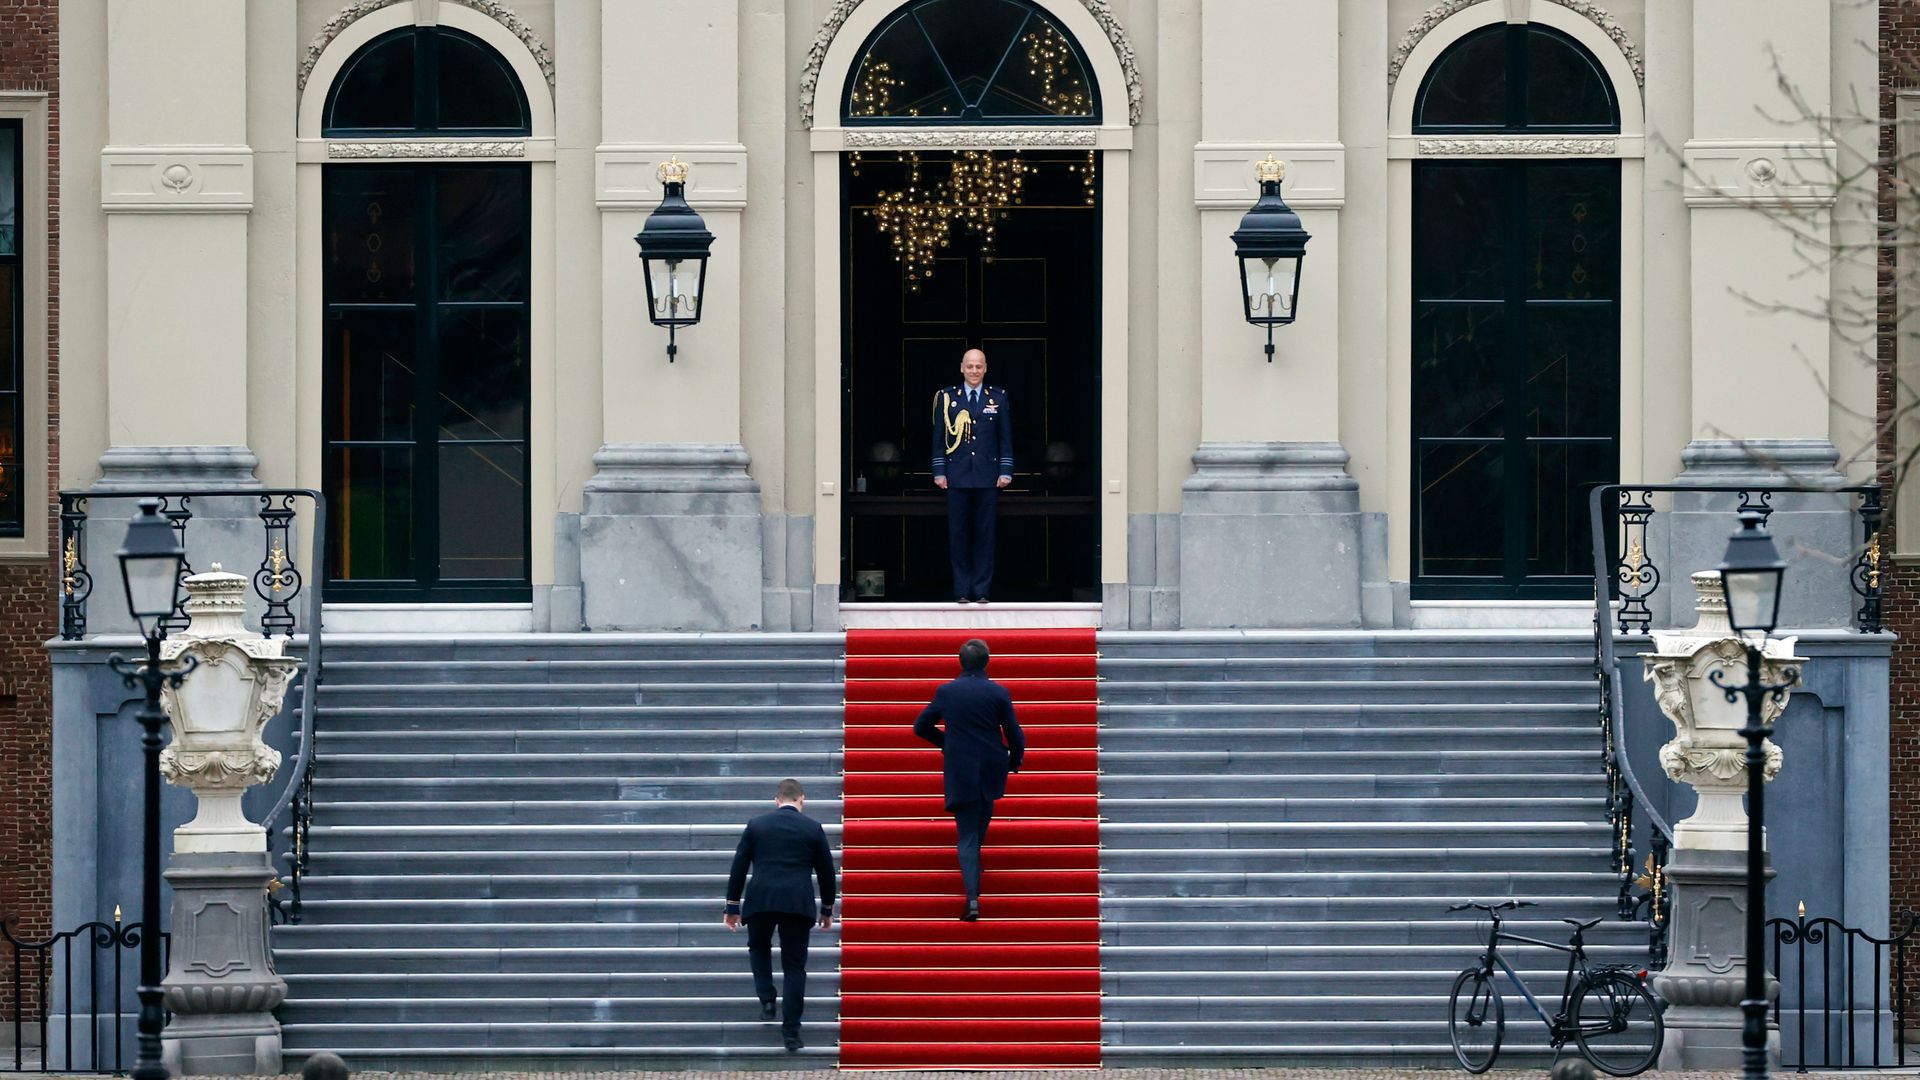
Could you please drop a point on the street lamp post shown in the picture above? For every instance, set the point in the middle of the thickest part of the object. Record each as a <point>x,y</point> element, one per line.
<point>1752,572</point>
<point>150,564</point>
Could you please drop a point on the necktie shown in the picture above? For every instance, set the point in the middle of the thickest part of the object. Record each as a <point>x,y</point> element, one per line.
<point>973,396</point>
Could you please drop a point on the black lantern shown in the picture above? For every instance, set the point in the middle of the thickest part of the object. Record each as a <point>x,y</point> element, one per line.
<point>1751,574</point>
<point>673,245</point>
<point>150,564</point>
<point>1271,245</point>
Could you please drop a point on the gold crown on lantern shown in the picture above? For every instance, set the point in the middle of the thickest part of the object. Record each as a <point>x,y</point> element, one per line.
<point>673,171</point>
<point>1272,170</point>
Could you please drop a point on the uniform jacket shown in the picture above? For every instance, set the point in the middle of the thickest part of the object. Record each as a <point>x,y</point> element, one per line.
<point>787,850</point>
<point>982,741</point>
<point>980,437</point>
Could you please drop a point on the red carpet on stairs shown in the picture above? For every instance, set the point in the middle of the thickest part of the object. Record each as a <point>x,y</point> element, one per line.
<point>1021,987</point>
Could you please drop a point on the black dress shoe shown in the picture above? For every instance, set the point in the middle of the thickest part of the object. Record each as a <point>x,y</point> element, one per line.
<point>768,1011</point>
<point>972,914</point>
<point>793,1043</point>
<point>979,599</point>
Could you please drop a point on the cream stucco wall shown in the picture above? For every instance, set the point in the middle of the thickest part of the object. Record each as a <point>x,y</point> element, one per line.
<point>717,83</point>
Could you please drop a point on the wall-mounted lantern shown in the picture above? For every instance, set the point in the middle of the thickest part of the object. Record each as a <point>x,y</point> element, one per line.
<point>1271,245</point>
<point>673,245</point>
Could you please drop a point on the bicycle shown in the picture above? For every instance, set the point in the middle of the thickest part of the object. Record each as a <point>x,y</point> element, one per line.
<point>1606,1010</point>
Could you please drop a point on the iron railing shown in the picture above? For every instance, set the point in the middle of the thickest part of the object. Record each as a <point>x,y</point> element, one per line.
<point>1838,1022</point>
<point>278,581</point>
<point>1624,573</point>
<point>36,968</point>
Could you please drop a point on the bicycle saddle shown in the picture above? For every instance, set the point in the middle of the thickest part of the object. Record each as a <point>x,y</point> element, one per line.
<point>1584,925</point>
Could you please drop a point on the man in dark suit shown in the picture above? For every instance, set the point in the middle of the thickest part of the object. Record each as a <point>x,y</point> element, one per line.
<point>972,461</point>
<point>982,743</point>
<point>786,850</point>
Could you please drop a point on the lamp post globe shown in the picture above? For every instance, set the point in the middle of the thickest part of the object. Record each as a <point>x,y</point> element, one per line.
<point>1752,573</point>
<point>674,244</point>
<point>1270,244</point>
<point>151,560</point>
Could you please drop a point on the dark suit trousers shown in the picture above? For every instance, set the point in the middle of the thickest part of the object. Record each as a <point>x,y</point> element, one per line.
<point>793,961</point>
<point>970,520</point>
<point>972,819</point>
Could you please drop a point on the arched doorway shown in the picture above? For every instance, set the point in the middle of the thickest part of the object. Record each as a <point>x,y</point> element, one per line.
<point>1516,317</point>
<point>949,248</point>
<point>427,328</point>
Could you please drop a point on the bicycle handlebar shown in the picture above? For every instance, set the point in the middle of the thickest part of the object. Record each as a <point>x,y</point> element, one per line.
<point>1505,905</point>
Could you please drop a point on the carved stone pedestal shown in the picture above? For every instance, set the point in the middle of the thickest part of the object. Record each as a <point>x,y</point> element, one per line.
<point>221,986</point>
<point>1706,972</point>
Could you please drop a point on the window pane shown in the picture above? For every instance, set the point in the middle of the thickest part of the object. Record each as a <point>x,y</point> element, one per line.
<point>901,76</point>
<point>370,228</point>
<point>1043,77</point>
<point>477,89</point>
<point>12,510</point>
<point>1459,363</point>
<point>483,512</point>
<point>9,189</point>
<point>1468,84</point>
<point>971,36</point>
<point>483,373</point>
<point>482,234</point>
<point>374,366</point>
<point>375,91</point>
<point>1560,537</point>
<point>1458,213</point>
<point>1573,379</point>
<point>1565,86</point>
<point>1573,231</point>
<point>372,514</point>
<point>9,330</point>
<point>1462,491</point>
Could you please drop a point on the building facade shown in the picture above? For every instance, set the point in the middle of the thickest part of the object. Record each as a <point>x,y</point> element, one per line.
<point>394,244</point>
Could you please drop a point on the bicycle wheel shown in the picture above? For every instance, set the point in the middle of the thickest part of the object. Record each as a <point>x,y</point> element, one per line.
<point>1617,1023</point>
<point>1476,1020</point>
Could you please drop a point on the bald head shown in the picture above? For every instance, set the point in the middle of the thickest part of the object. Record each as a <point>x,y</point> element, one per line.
<point>973,366</point>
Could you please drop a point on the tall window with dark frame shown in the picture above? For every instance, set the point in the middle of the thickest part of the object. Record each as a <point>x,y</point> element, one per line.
<point>1516,322</point>
<point>427,330</point>
<point>13,406</point>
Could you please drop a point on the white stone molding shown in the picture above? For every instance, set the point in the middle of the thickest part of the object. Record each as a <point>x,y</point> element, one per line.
<point>176,179</point>
<point>345,150</point>
<point>427,14</point>
<point>1498,146</point>
<point>1742,173</point>
<point>1100,10</point>
<point>969,138</point>
<point>1446,9</point>
<point>1224,178</point>
<point>625,176</point>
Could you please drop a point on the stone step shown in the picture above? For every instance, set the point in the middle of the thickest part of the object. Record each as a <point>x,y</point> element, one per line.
<point>823,1008</point>
<point>540,670</point>
<point>820,1053</point>
<point>1438,956</point>
<point>532,1033</point>
<point>768,694</point>
<point>501,958</point>
<point>709,741</point>
<point>1331,691</point>
<point>597,765</point>
<point>1367,644</point>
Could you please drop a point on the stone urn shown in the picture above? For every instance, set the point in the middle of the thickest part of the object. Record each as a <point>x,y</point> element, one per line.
<point>1708,752</point>
<point>219,711</point>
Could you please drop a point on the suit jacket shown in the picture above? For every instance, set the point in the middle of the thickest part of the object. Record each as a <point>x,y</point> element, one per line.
<point>982,741</point>
<point>984,452</point>
<point>786,850</point>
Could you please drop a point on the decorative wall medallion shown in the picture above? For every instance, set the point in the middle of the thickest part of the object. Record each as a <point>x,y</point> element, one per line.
<point>971,138</point>
<point>433,149</point>
<point>176,178</point>
<point>492,9</point>
<point>1099,9</point>
<point>1491,146</point>
<point>1446,9</point>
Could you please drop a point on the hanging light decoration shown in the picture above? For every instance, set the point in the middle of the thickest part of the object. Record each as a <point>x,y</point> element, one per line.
<point>976,193</point>
<point>1050,59</point>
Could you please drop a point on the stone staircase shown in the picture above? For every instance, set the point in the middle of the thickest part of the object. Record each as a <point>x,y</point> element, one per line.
<point>1288,816</point>
<point>520,849</point>
<point>520,844</point>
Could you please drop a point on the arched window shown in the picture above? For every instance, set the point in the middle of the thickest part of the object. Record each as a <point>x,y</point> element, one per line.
<point>967,61</point>
<point>1516,77</point>
<point>428,329</point>
<point>1516,322</point>
<point>426,80</point>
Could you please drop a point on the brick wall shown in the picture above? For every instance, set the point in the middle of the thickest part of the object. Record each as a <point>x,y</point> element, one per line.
<point>30,60</point>
<point>1899,70</point>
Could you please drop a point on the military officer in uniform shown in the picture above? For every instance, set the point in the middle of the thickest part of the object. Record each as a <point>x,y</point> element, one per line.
<point>972,461</point>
